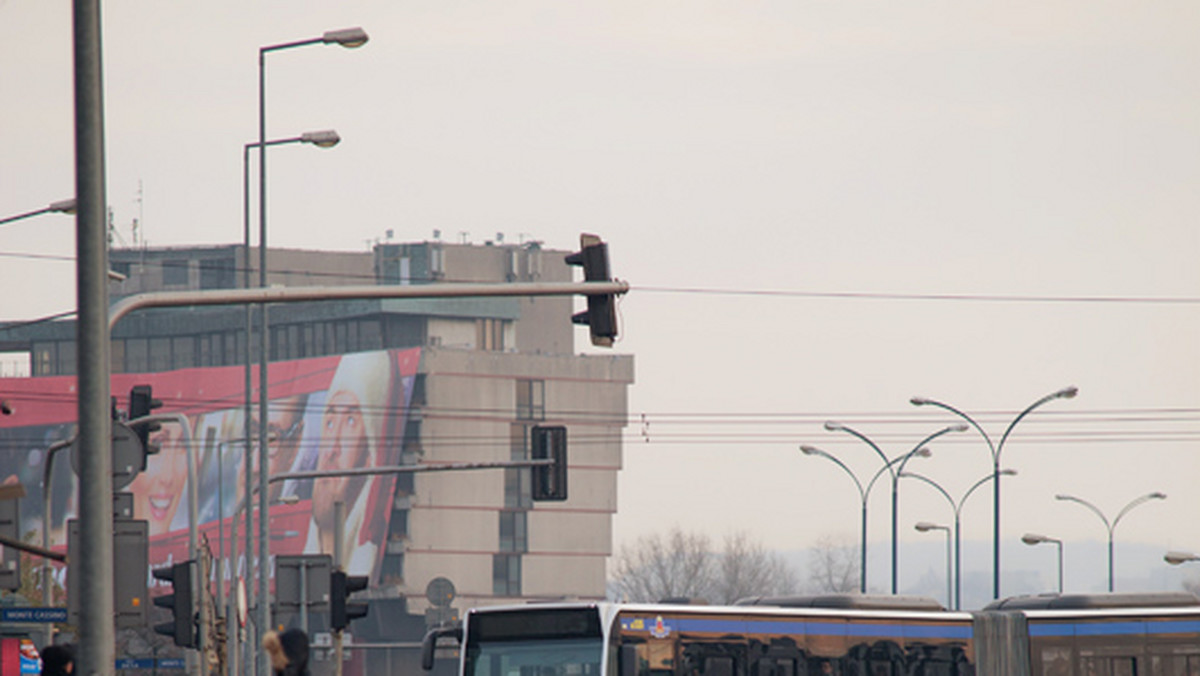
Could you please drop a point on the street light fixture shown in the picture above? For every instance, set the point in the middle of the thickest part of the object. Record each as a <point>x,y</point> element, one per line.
<point>1176,558</point>
<point>900,462</point>
<point>1112,526</point>
<point>1035,539</point>
<point>925,527</point>
<point>957,507</point>
<point>996,450</point>
<point>346,37</point>
<point>59,207</point>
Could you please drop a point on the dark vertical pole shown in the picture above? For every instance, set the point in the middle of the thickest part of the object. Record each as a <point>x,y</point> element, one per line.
<point>957,561</point>
<point>895,502</point>
<point>862,583</point>
<point>995,526</point>
<point>94,562</point>
<point>1110,559</point>
<point>264,563</point>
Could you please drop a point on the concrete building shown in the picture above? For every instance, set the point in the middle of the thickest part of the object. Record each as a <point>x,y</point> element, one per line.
<point>489,370</point>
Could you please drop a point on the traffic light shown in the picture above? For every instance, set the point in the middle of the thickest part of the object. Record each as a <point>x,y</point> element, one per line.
<point>141,404</point>
<point>181,602</point>
<point>342,610</point>
<point>550,481</point>
<point>601,315</point>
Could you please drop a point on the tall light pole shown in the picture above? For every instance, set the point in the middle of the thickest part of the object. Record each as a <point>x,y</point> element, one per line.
<point>321,139</point>
<point>895,472</point>
<point>349,37</point>
<point>996,450</point>
<point>1035,539</point>
<point>864,494</point>
<point>957,507</point>
<point>925,527</point>
<point>1112,526</point>
<point>59,207</point>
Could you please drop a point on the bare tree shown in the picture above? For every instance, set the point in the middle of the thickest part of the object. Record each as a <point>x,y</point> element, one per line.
<point>833,566</point>
<point>746,569</point>
<point>685,565</point>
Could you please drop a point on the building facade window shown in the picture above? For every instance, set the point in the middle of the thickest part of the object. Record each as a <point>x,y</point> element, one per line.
<point>489,335</point>
<point>517,492</point>
<point>531,400</point>
<point>506,575</point>
<point>175,272</point>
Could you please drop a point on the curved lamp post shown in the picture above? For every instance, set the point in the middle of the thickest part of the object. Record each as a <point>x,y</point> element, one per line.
<point>925,527</point>
<point>1176,558</point>
<point>59,207</point>
<point>350,38</point>
<point>996,450</point>
<point>863,494</point>
<point>899,463</point>
<point>1035,539</point>
<point>1113,525</point>
<point>957,507</point>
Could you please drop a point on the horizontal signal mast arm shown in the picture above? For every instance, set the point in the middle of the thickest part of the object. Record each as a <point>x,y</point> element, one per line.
<point>316,293</point>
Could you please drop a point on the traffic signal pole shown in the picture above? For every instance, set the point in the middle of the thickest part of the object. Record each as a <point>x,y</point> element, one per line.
<point>97,477</point>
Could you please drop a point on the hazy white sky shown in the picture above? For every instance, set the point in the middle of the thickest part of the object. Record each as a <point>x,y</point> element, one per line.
<point>979,150</point>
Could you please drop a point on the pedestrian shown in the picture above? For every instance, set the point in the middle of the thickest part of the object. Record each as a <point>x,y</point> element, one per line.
<point>288,652</point>
<point>58,660</point>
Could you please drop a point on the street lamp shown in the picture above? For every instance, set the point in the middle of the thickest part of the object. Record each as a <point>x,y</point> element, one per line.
<point>862,494</point>
<point>957,507</point>
<point>925,527</point>
<point>350,38</point>
<point>996,450</point>
<point>1035,539</point>
<point>59,207</point>
<point>1112,526</point>
<point>900,461</point>
<point>321,139</point>
<point>1176,558</point>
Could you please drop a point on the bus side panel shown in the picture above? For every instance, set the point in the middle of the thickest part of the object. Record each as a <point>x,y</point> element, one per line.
<point>1002,645</point>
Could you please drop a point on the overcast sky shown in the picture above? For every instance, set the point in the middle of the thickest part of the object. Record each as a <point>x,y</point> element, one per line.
<point>824,209</point>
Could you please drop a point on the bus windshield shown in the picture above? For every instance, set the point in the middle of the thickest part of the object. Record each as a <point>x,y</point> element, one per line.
<point>558,657</point>
<point>534,642</point>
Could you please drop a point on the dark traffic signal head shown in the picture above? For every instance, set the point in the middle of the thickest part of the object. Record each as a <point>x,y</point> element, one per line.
<point>182,627</point>
<point>342,611</point>
<point>141,404</point>
<point>601,315</point>
<point>549,442</point>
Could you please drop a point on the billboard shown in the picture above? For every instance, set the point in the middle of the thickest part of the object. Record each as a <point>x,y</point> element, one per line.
<point>325,413</point>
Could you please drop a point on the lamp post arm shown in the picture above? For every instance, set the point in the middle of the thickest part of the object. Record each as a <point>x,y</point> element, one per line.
<point>1067,393</point>
<point>880,472</point>
<point>962,414</point>
<point>858,484</point>
<point>1085,503</point>
<point>971,490</point>
<point>1134,503</point>
<point>921,444</point>
<point>862,437</point>
<point>931,482</point>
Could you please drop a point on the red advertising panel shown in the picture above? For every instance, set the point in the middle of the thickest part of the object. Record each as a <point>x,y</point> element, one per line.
<point>325,413</point>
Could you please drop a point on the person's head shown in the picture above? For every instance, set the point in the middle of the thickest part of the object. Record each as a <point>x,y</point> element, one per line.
<point>58,660</point>
<point>158,491</point>
<point>351,427</point>
<point>288,652</point>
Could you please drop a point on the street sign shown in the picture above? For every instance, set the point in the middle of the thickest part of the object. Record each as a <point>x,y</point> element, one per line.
<point>33,614</point>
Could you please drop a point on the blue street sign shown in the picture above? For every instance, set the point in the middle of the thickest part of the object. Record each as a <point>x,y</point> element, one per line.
<point>33,615</point>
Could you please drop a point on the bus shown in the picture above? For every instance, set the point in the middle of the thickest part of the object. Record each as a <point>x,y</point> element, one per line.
<point>833,635</point>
